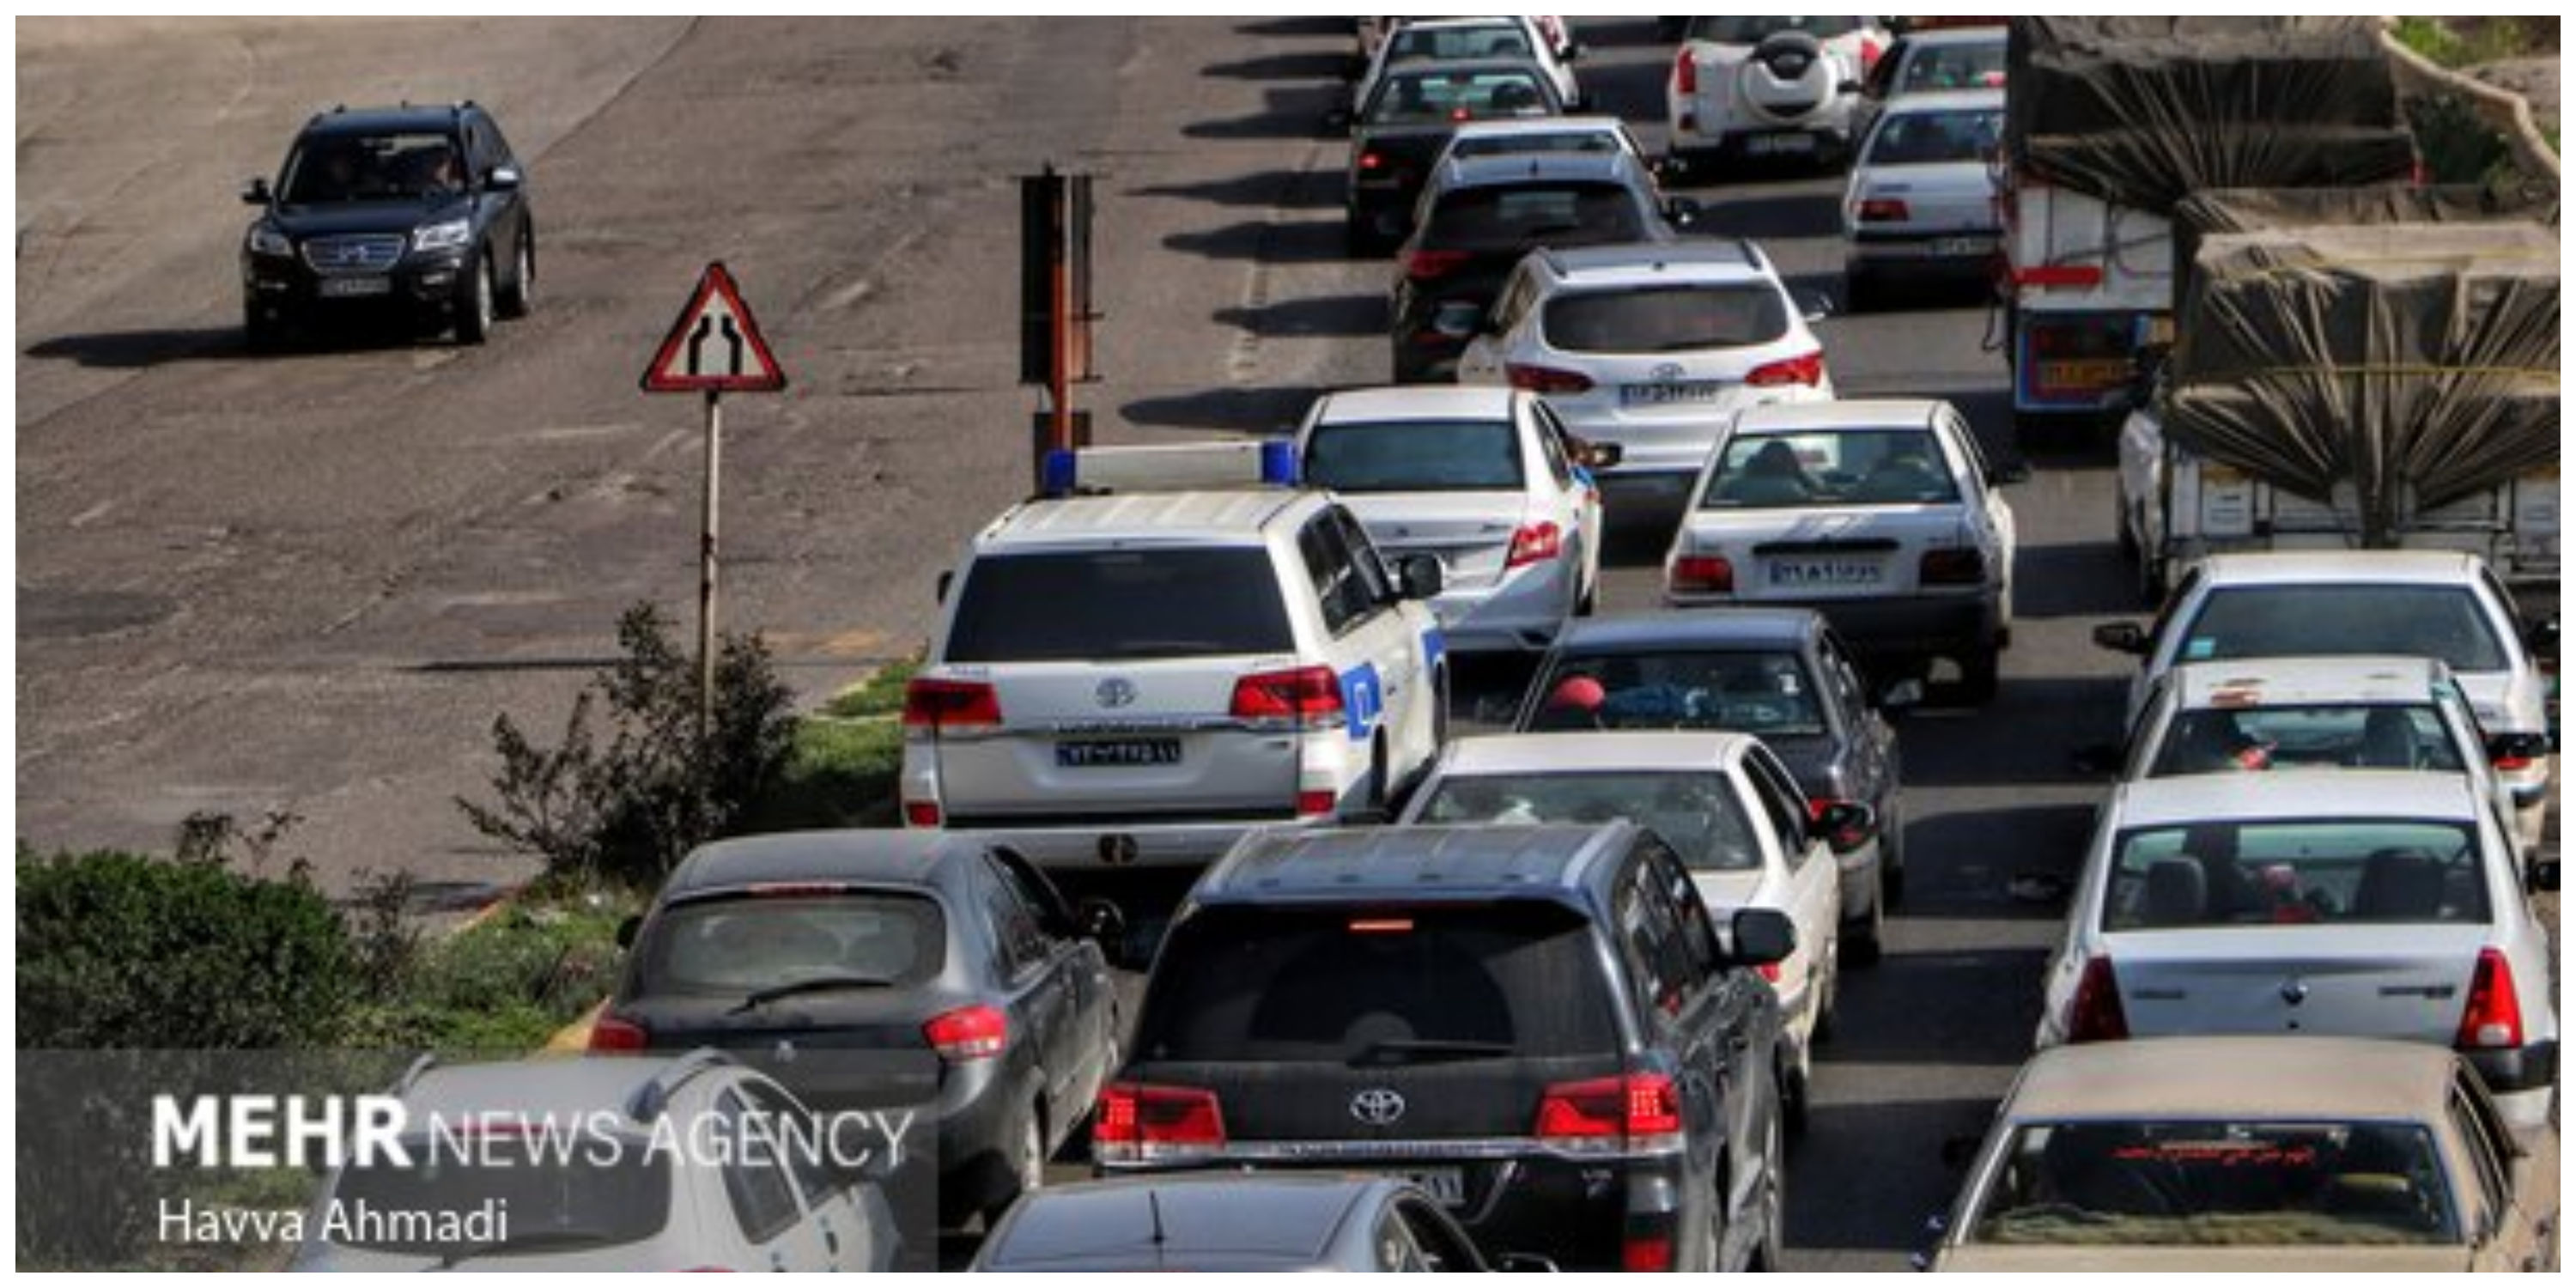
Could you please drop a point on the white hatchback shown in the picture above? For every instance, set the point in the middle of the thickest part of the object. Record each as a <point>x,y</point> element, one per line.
<point>1650,347</point>
<point>1485,481</point>
<point>1882,515</point>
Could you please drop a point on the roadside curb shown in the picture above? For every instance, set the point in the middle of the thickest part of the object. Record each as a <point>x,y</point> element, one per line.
<point>574,1038</point>
<point>2508,112</point>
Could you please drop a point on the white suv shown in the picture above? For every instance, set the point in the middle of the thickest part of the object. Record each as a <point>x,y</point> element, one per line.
<point>1769,87</point>
<point>1125,676</point>
<point>1650,347</point>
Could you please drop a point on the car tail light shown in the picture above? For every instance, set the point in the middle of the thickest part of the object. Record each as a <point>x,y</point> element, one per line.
<point>1843,840</point>
<point>1546,380</point>
<point>1770,972</point>
<point>1870,52</point>
<point>1701,575</point>
<point>968,1033</point>
<point>1141,1123</point>
<point>1535,543</point>
<point>2068,276</point>
<point>617,1033</point>
<point>1431,265</point>
<point>2510,763</point>
<point>1805,369</point>
<point>921,813</point>
<point>1954,567</point>
<point>1309,697</point>
<point>2096,1015</point>
<point>1685,73</point>
<point>1646,1254</point>
<point>1884,210</point>
<point>2493,1020</point>
<point>951,704</point>
<point>1312,804</point>
<point>1372,161</point>
<point>1635,1113</point>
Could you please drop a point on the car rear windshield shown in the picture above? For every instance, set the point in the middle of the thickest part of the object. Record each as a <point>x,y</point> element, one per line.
<point>1522,142</point>
<point>2322,735</point>
<point>1416,456</point>
<point>1361,984</point>
<point>1835,467</point>
<point>1666,320</point>
<point>1698,814</point>
<point>1750,692</point>
<point>2218,1183</point>
<point>2342,621</point>
<point>1430,95</point>
<point>352,167</point>
<point>1505,216</point>
<point>1445,44</point>
<point>2273,874</point>
<point>1978,65</point>
<point>1116,605</point>
<point>737,945</point>
<point>586,1191</point>
<point>1935,138</point>
<point>1753,31</point>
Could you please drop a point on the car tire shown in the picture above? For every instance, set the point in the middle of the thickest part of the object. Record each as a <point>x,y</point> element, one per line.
<point>1774,1205</point>
<point>1891,855</point>
<point>1024,1169</point>
<point>518,294</point>
<point>1981,675</point>
<point>1864,941</point>
<point>475,308</point>
<point>1793,1100</point>
<point>262,333</point>
<point>1860,290</point>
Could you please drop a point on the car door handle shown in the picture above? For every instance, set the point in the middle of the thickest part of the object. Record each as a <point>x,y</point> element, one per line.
<point>831,1239</point>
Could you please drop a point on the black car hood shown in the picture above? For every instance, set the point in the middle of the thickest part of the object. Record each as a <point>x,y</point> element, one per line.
<point>344,218</point>
<point>1809,758</point>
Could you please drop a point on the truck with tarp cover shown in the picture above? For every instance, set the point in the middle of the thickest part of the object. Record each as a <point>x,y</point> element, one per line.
<point>2361,368</point>
<point>2111,122</point>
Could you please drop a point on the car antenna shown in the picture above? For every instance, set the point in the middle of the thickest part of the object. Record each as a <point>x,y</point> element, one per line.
<point>1154,1208</point>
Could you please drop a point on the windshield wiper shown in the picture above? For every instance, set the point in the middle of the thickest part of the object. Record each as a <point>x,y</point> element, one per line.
<point>533,1241</point>
<point>810,984</point>
<point>1413,1050</point>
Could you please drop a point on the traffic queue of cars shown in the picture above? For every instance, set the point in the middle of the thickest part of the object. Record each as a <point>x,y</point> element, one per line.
<point>1552,997</point>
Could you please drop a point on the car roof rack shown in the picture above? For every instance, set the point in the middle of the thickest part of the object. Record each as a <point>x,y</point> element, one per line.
<point>652,1098</point>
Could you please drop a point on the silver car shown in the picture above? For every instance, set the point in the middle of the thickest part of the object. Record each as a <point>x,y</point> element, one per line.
<point>2353,903</point>
<point>1921,200</point>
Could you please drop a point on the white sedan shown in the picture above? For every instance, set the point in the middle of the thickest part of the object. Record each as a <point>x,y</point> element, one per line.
<point>1921,200</point>
<point>2354,903</point>
<point>1484,480</point>
<point>1722,801</point>
<point>1450,40</point>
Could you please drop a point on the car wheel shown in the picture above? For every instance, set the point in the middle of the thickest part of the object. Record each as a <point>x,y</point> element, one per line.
<point>520,291</point>
<point>1864,943</point>
<point>1774,1206</point>
<point>474,312</point>
<point>1980,675</point>
<point>261,333</point>
<point>1027,1167</point>
<point>1891,855</point>
<point>1793,1101</point>
<point>1860,290</point>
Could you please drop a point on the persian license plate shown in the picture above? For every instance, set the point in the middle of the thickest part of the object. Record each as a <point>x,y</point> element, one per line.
<point>1118,753</point>
<point>1805,573</point>
<point>1963,246</point>
<point>342,288</point>
<point>1765,145</point>
<point>1671,393</point>
<point>2083,376</point>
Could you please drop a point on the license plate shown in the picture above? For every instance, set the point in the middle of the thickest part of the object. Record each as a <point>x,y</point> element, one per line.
<point>1677,393</point>
<point>1962,246</point>
<point>1446,1185</point>
<point>341,288</point>
<point>1761,145</point>
<point>1826,572</point>
<point>2088,375</point>
<point>1121,753</point>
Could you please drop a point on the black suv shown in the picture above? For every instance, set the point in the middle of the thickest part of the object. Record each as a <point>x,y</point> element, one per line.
<point>422,211</point>
<point>1537,1025</point>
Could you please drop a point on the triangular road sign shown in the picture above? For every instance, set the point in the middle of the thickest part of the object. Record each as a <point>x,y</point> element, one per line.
<point>715,346</point>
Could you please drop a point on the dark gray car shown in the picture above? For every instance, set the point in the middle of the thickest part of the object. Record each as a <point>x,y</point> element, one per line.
<point>1779,674</point>
<point>1407,121</point>
<point>1264,1223</point>
<point>866,970</point>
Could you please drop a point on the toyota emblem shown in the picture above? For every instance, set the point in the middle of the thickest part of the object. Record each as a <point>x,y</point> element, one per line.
<point>786,1053</point>
<point>1378,1106</point>
<point>1666,371</point>
<point>1114,693</point>
<point>2294,991</point>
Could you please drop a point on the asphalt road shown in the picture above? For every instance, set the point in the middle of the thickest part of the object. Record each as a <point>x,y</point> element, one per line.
<point>309,582</point>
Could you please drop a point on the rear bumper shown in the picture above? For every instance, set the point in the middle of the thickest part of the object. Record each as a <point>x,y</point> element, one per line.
<point>1958,252</point>
<point>1521,613</point>
<point>1111,845</point>
<point>1911,627</point>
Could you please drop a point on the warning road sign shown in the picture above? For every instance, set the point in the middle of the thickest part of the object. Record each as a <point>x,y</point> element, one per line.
<point>715,346</point>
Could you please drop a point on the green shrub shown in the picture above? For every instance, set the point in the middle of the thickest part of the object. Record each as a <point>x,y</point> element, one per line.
<point>119,950</point>
<point>502,986</point>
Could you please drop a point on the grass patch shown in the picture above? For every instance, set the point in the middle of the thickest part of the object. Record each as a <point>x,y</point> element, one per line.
<point>880,694</point>
<point>840,773</point>
<point>2456,44</point>
<point>502,986</point>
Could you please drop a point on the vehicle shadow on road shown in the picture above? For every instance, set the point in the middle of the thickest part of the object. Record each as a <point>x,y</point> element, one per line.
<point>1306,65</point>
<point>1242,411</point>
<point>2024,738</point>
<point>1297,27</point>
<point>2084,579</point>
<point>1790,215</point>
<point>1267,189</point>
<point>1886,1159</point>
<point>1311,241</point>
<point>1328,315</point>
<point>1291,113</point>
<point>1980,864</point>
<point>134,350</point>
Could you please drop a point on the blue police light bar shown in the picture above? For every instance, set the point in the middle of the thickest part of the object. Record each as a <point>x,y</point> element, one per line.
<point>1180,467</point>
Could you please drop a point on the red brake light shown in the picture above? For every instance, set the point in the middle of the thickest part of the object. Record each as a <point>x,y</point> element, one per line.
<point>1309,697</point>
<point>1141,1123</point>
<point>968,1033</point>
<point>1372,161</point>
<point>950,704</point>
<point>617,1033</point>
<point>1685,73</point>
<point>1770,972</point>
<point>1312,804</point>
<point>1546,380</point>
<point>1429,265</point>
<point>1884,210</point>
<point>1701,575</point>
<point>1642,1111</point>
<point>2493,1020</point>
<point>1805,369</point>
<point>2096,1015</point>
<point>1870,52</point>
<point>1645,1254</point>
<point>921,813</point>
<point>1953,567</point>
<point>2512,764</point>
<point>2072,276</point>
<point>1535,543</point>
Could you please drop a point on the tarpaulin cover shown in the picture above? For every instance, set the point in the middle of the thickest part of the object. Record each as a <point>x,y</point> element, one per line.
<point>2416,362</point>
<point>2245,210</point>
<point>2142,112</point>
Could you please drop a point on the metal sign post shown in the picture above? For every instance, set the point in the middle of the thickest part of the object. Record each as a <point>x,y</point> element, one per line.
<point>714,348</point>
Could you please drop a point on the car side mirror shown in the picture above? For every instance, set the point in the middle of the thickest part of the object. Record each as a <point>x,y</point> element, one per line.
<point>1901,697</point>
<point>945,579</point>
<point>1421,576</point>
<point>255,193</point>
<point>2544,876</point>
<point>2096,759</point>
<point>1524,1263</point>
<point>1600,456</point>
<point>2121,637</point>
<point>503,178</point>
<point>1761,936</point>
<point>1101,922</point>
<point>626,931</point>
<point>2008,474</point>
<point>1814,307</point>
<point>1337,120</point>
<point>2502,747</point>
<point>1683,212</point>
<point>2543,637</point>
<point>1847,826</point>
